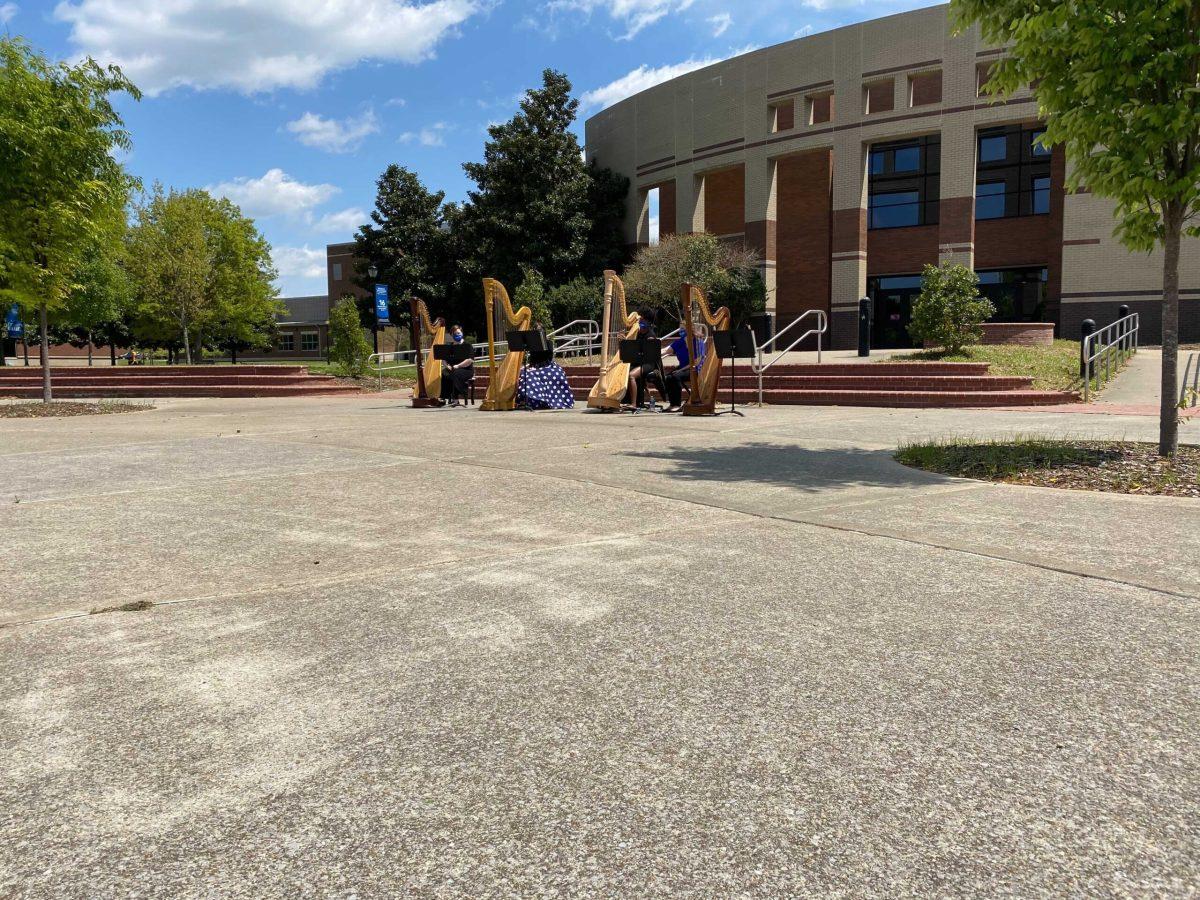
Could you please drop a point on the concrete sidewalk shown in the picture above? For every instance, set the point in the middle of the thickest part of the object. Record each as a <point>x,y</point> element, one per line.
<point>443,652</point>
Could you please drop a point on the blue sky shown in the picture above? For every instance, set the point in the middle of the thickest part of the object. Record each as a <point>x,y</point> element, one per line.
<point>293,107</point>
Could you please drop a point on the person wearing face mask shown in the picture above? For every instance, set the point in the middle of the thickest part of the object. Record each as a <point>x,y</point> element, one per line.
<point>456,379</point>
<point>640,375</point>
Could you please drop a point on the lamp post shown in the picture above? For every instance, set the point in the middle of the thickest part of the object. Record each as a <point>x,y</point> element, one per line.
<point>373,271</point>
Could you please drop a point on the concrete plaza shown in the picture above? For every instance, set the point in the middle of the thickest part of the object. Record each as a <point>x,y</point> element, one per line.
<point>442,652</point>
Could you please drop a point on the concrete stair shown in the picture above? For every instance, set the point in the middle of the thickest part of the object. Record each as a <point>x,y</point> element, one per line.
<point>902,384</point>
<point>77,382</point>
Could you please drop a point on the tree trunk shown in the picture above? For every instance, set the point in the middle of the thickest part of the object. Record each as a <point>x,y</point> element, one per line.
<point>45,352</point>
<point>112,351</point>
<point>1168,413</point>
<point>187,344</point>
<point>90,348</point>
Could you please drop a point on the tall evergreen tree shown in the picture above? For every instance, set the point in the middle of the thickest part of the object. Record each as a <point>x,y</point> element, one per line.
<point>406,240</point>
<point>536,202</point>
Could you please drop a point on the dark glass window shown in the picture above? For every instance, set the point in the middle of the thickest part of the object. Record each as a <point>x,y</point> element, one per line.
<point>1012,176</point>
<point>1041,195</point>
<point>895,210</point>
<point>907,159</point>
<point>1019,295</point>
<point>309,341</point>
<point>989,200</point>
<point>1036,149</point>
<point>903,184</point>
<point>891,299</point>
<point>993,148</point>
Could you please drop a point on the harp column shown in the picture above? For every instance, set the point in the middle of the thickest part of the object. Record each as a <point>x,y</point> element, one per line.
<point>761,191</point>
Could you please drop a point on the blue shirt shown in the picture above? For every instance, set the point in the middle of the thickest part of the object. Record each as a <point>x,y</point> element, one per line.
<point>680,348</point>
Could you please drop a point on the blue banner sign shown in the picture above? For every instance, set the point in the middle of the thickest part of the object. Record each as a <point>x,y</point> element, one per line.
<point>381,304</point>
<point>13,326</point>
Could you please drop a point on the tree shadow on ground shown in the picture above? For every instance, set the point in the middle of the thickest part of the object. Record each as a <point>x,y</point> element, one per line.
<point>786,465</point>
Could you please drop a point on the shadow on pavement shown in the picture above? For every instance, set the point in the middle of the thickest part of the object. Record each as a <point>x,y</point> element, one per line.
<point>787,465</point>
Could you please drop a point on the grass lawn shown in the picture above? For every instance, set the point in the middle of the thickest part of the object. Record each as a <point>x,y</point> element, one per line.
<point>1116,466</point>
<point>1053,368</point>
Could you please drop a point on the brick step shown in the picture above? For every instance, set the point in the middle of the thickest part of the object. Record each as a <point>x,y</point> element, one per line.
<point>132,372</point>
<point>213,381</point>
<point>63,392</point>
<point>882,368</point>
<point>947,383</point>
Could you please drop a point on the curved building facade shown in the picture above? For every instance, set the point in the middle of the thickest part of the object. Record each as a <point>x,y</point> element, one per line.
<point>850,159</point>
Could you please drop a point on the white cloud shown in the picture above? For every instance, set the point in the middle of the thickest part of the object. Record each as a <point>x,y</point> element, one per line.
<point>720,23</point>
<point>299,262</point>
<point>334,135</point>
<point>638,80</point>
<point>431,136</point>
<point>397,101</point>
<point>7,12</point>
<point>255,46</point>
<point>345,221</point>
<point>803,32</point>
<point>274,193</point>
<point>633,14</point>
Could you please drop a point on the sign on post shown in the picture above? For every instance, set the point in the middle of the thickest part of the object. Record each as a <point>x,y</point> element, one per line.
<point>13,326</point>
<point>381,304</point>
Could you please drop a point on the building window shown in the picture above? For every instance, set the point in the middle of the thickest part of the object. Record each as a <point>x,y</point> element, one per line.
<point>1012,176</point>
<point>286,342</point>
<point>1019,295</point>
<point>783,116</point>
<point>310,341</point>
<point>892,298</point>
<point>924,88</point>
<point>983,72</point>
<point>879,96</point>
<point>903,183</point>
<point>1035,148</point>
<point>820,108</point>
<point>337,271</point>
<point>989,200</point>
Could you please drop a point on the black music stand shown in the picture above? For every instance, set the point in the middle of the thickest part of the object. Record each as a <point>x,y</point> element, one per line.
<point>644,353</point>
<point>452,353</point>
<point>731,344</point>
<point>528,341</point>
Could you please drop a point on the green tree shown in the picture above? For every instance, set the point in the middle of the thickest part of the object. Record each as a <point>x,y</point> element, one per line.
<point>61,185</point>
<point>531,292</point>
<point>1118,82</point>
<point>948,312</point>
<point>348,344</point>
<point>579,298</point>
<point>101,296</point>
<point>728,272</point>
<point>202,273</point>
<point>406,240</point>
<point>535,200</point>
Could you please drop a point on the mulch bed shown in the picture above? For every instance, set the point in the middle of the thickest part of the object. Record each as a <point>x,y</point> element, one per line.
<point>1114,466</point>
<point>38,410</point>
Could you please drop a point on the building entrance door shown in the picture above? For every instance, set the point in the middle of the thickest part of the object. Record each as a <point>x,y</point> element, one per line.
<point>892,298</point>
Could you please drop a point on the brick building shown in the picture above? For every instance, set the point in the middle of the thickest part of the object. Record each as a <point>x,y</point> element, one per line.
<point>851,158</point>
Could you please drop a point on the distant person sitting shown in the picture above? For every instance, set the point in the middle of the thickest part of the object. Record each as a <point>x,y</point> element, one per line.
<point>456,377</point>
<point>685,362</point>
<point>639,376</point>
<point>542,383</point>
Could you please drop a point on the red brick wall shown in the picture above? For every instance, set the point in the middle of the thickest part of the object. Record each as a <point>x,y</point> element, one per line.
<point>785,116</point>
<point>725,201</point>
<point>1015,242</point>
<point>804,233</point>
<point>821,106</point>
<point>926,88</point>
<point>956,221</point>
<point>881,96</point>
<point>666,208</point>
<point>900,251</point>
<point>849,230</point>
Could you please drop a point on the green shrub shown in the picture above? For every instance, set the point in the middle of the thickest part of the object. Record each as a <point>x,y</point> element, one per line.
<point>949,310</point>
<point>348,344</point>
<point>531,292</point>
<point>580,298</point>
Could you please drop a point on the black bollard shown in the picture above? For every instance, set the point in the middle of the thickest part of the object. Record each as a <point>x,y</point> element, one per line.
<point>1127,340</point>
<point>1086,328</point>
<point>864,326</point>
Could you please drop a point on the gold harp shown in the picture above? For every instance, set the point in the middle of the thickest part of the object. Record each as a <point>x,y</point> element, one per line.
<point>616,323</point>
<point>427,333</point>
<point>702,398</point>
<point>501,319</point>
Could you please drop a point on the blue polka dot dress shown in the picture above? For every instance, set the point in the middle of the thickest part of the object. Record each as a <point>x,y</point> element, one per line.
<point>544,387</point>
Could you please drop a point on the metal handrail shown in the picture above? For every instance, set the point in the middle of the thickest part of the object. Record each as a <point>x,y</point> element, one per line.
<point>1192,368</point>
<point>1120,339</point>
<point>822,327</point>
